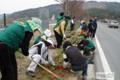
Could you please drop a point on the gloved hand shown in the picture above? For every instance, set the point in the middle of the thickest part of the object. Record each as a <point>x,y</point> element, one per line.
<point>53,64</point>
<point>64,36</point>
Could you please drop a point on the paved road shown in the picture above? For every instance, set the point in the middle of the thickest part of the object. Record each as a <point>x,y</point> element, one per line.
<point>110,41</point>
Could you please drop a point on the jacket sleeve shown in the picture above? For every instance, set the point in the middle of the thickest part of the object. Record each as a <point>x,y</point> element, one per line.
<point>25,43</point>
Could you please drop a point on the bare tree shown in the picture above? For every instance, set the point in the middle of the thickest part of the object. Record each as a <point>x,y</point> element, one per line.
<point>72,7</point>
<point>64,4</point>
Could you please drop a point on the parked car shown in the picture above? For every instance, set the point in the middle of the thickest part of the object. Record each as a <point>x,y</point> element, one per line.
<point>113,24</point>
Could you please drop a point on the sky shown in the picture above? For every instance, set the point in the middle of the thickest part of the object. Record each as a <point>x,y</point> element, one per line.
<point>10,6</point>
<point>105,0</point>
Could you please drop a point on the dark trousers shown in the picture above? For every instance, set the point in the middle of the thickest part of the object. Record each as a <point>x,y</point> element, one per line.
<point>59,39</point>
<point>85,68</point>
<point>94,31</point>
<point>8,66</point>
<point>71,27</point>
<point>91,33</point>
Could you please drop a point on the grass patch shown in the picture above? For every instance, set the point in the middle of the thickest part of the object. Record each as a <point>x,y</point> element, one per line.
<point>18,55</point>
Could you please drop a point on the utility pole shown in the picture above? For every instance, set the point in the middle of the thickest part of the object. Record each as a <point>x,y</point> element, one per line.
<point>4,17</point>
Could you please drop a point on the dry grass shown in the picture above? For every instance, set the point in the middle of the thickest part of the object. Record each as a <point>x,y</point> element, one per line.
<point>72,37</point>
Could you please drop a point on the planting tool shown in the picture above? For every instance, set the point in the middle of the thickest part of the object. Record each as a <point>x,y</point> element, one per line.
<point>46,69</point>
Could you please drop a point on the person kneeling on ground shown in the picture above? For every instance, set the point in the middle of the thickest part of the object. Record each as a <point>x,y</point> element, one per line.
<point>88,47</point>
<point>73,57</point>
<point>39,53</point>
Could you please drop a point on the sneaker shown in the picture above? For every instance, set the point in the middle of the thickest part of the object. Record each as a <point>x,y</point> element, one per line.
<point>30,73</point>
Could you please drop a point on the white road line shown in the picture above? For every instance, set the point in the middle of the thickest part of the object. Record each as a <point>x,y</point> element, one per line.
<point>102,57</point>
<point>107,71</point>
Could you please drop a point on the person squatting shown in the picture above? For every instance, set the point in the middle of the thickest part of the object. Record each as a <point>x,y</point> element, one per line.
<point>39,52</point>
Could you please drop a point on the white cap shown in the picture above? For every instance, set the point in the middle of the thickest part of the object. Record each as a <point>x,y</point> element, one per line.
<point>39,22</point>
<point>50,41</point>
<point>44,37</point>
<point>47,32</point>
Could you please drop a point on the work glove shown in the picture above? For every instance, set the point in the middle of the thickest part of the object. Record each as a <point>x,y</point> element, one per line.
<point>64,36</point>
<point>53,64</point>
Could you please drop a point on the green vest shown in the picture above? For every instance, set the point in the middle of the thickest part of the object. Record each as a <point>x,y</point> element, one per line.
<point>82,36</point>
<point>65,27</point>
<point>58,21</point>
<point>90,44</point>
<point>13,35</point>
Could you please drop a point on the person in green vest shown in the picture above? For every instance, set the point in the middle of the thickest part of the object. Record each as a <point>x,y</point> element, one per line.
<point>86,44</point>
<point>60,29</point>
<point>59,19</point>
<point>89,46</point>
<point>16,35</point>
